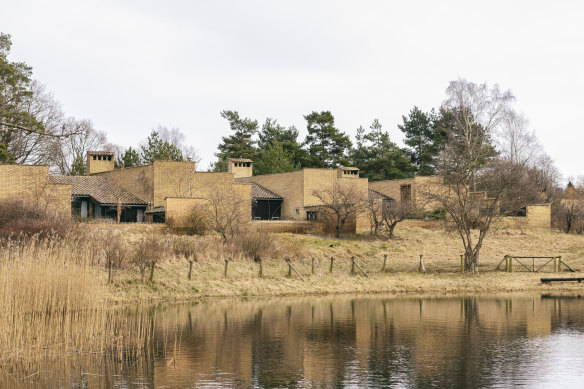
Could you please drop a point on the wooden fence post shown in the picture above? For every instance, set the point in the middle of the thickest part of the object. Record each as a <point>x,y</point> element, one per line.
<point>421,268</point>
<point>226,264</point>
<point>261,274</point>
<point>510,258</point>
<point>291,267</point>
<point>352,265</point>
<point>152,271</point>
<point>384,262</point>
<point>190,269</point>
<point>462,263</point>
<point>332,262</point>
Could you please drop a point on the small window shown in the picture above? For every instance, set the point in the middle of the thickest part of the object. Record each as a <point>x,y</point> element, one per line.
<point>406,194</point>
<point>94,157</point>
<point>312,216</point>
<point>109,157</point>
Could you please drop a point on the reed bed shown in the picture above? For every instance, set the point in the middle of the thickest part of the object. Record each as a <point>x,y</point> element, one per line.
<point>54,321</point>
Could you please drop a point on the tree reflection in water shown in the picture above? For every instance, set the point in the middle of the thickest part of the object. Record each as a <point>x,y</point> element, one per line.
<point>344,341</point>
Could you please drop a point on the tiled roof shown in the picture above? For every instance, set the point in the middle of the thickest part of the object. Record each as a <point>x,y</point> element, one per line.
<point>258,191</point>
<point>240,160</point>
<point>102,189</point>
<point>100,152</point>
<point>375,195</point>
<point>156,210</point>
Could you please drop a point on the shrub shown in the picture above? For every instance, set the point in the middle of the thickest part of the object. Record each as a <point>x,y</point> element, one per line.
<point>255,245</point>
<point>18,218</point>
<point>147,252</point>
<point>196,222</point>
<point>116,252</point>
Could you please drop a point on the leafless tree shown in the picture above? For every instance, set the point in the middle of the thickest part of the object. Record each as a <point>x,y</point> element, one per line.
<point>394,213</point>
<point>375,212</point>
<point>475,179</point>
<point>30,143</point>
<point>341,202</point>
<point>516,141</point>
<point>477,112</point>
<point>65,152</point>
<point>569,216</point>
<point>225,210</point>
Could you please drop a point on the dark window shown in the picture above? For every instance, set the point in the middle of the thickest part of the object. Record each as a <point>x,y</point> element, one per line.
<point>94,157</point>
<point>109,158</point>
<point>312,216</point>
<point>405,193</point>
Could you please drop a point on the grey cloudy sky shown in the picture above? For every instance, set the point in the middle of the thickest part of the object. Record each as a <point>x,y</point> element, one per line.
<point>132,65</point>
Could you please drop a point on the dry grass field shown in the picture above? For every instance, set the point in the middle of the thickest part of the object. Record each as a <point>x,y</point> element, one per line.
<point>56,302</point>
<point>440,249</point>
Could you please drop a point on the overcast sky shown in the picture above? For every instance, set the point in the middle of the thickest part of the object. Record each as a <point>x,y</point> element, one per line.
<point>130,66</point>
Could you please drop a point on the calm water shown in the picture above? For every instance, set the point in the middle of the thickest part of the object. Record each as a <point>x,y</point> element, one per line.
<point>333,342</point>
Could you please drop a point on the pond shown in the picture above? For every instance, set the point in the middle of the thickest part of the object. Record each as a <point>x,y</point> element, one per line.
<point>345,341</point>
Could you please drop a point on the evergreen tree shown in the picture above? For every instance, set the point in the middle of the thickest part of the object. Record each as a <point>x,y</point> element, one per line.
<point>272,132</point>
<point>327,145</point>
<point>241,143</point>
<point>78,167</point>
<point>274,159</point>
<point>15,99</point>
<point>158,150</point>
<point>377,157</point>
<point>129,159</point>
<point>425,139</point>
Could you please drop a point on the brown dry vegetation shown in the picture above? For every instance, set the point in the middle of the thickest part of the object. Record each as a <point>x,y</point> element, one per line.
<point>441,250</point>
<point>51,285</point>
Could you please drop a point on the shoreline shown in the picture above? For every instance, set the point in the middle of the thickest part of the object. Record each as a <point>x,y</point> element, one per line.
<point>176,289</point>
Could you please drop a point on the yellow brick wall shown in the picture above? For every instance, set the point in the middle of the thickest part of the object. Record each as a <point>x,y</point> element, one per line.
<point>179,179</point>
<point>539,216</point>
<point>291,187</point>
<point>31,183</point>
<point>177,208</point>
<point>392,188</point>
<point>138,180</point>
<point>244,190</point>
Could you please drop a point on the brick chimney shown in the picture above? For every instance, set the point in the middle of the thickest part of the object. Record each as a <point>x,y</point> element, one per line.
<point>240,167</point>
<point>99,161</point>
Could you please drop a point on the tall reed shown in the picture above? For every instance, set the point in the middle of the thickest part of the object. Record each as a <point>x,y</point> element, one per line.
<point>53,312</point>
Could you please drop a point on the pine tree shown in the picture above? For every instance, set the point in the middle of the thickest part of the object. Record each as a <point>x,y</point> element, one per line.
<point>241,143</point>
<point>327,145</point>
<point>274,159</point>
<point>272,132</point>
<point>129,159</point>
<point>158,150</point>
<point>377,157</point>
<point>425,138</point>
<point>78,167</point>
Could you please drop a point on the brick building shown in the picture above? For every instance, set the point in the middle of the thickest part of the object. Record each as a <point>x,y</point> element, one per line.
<point>290,196</point>
<point>32,184</point>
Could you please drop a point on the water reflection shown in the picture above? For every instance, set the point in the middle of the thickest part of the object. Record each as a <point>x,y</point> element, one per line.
<point>345,341</point>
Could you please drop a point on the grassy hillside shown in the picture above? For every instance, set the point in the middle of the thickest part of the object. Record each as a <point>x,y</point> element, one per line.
<point>440,249</point>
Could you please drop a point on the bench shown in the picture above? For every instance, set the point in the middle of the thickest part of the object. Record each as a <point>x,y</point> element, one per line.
<point>550,280</point>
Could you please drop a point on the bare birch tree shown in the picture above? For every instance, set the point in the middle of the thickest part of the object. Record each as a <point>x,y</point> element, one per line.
<point>470,163</point>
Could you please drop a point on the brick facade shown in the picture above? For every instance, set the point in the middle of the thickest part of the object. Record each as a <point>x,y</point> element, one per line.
<point>539,216</point>
<point>398,190</point>
<point>31,184</point>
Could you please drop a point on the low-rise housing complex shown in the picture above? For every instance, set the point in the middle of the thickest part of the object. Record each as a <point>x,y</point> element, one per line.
<point>164,191</point>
